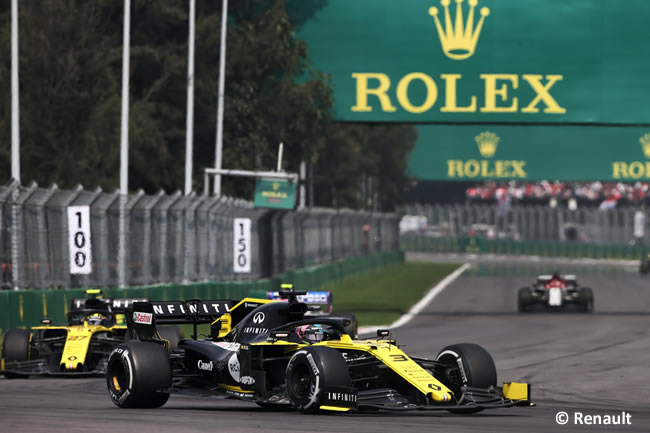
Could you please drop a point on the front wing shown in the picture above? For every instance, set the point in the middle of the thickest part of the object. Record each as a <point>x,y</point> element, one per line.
<point>470,400</point>
<point>41,367</point>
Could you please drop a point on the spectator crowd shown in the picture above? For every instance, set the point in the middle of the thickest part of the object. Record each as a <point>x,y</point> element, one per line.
<point>606,195</point>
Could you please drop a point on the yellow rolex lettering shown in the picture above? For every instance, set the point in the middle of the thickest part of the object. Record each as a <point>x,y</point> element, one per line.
<point>380,92</point>
<point>485,169</point>
<point>636,170</point>
<point>454,168</point>
<point>518,169</point>
<point>500,169</point>
<point>403,96</point>
<point>543,94</point>
<point>472,168</point>
<point>451,96</point>
<point>619,170</point>
<point>491,93</point>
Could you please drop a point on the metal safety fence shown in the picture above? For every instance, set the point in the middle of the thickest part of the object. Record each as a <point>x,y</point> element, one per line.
<point>171,237</point>
<point>528,223</point>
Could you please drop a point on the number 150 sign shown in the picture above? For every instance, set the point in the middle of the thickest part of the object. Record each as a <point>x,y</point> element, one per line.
<point>79,239</point>
<point>242,245</point>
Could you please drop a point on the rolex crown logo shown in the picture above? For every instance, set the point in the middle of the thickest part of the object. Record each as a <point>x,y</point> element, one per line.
<point>645,144</point>
<point>487,143</point>
<point>275,185</point>
<point>459,40</point>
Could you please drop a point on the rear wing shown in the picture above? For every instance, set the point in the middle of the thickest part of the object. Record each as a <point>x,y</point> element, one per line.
<point>547,278</point>
<point>141,321</point>
<point>116,305</point>
<point>183,312</point>
<point>310,298</point>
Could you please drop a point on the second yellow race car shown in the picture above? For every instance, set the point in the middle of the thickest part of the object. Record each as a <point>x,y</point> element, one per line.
<point>81,347</point>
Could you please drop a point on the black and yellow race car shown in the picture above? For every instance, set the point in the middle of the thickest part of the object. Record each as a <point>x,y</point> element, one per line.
<point>270,353</point>
<point>81,347</point>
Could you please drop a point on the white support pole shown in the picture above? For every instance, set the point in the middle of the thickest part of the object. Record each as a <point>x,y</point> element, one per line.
<point>189,136</point>
<point>222,86</point>
<point>280,149</point>
<point>124,137</point>
<point>303,189</point>
<point>124,145</point>
<point>15,107</point>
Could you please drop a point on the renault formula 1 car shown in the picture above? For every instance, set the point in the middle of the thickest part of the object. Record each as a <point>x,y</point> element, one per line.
<point>555,292</point>
<point>95,326</point>
<point>269,353</point>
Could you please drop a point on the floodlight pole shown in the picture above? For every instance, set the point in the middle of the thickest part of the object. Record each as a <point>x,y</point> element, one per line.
<point>15,107</point>
<point>124,146</point>
<point>189,135</point>
<point>222,85</point>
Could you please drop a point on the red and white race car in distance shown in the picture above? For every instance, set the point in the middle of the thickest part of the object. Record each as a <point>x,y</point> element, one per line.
<point>555,292</point>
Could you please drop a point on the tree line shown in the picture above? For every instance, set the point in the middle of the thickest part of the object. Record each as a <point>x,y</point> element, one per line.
<point>70,95</point>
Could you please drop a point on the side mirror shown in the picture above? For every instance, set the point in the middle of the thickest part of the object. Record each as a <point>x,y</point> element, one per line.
<point>383,333</point>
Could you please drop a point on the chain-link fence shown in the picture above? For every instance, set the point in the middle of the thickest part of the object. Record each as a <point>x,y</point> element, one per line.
<point>524,222</point>
<point>171,238</point>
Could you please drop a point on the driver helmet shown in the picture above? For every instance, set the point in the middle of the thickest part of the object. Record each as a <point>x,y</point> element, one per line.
<point>95,319</point>
<point>311,333</point>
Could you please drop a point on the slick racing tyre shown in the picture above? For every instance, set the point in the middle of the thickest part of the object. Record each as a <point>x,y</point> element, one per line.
<point>467,365</point>
<point>16,348</point>
<point>524,299</point>
<point>310,372</point>
<point>135,374</point>
<point>587,299</point>
<point>171,334</point>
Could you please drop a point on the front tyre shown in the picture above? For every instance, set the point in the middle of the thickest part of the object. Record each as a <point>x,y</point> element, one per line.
<point>587,299</point>
<point>524,299</point>
<point>15,347</point>
<point>467,365</point>
<point>310,372</point>
<point>136,373</point>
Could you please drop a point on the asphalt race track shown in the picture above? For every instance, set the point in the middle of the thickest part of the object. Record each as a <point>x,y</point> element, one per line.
<point>595,364</point>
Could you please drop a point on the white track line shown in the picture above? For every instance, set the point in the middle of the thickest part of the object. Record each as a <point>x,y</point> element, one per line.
<point>421,304</point>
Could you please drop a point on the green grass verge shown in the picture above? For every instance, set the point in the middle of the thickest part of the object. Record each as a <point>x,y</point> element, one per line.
<point>378,297</point>
<point>381,297</point>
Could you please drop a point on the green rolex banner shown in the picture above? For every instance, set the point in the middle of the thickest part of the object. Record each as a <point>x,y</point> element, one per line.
<point>276,194</point>
<point>515,152</point>
<point>492,61</point>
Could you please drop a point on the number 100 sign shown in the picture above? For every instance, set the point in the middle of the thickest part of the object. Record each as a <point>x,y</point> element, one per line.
<point>79,239</point>
<point>241,245</point>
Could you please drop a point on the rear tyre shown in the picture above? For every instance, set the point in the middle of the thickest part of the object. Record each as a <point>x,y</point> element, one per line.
<point>135,374</point>
<point>587,299</point>
<point>16,348</point>
<point>171,334</point>
<point>310,372</point>
<point>524,299</point>
<point>467,365</point>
